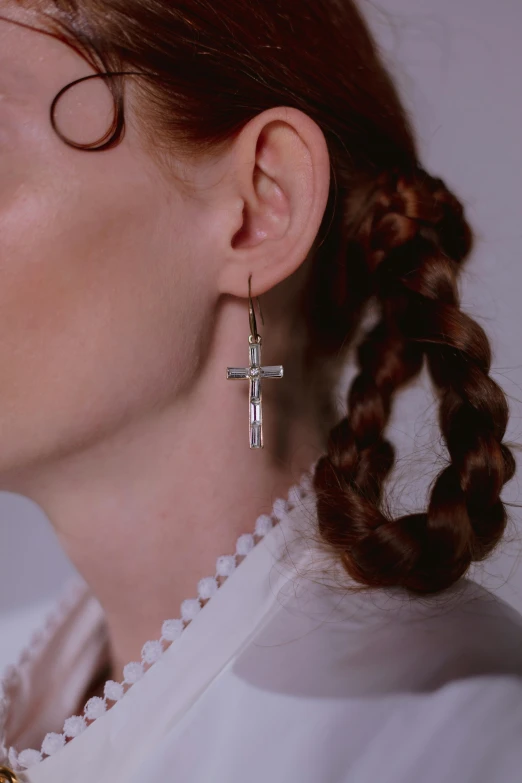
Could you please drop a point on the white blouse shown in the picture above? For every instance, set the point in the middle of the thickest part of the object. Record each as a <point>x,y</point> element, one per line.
<point>281,676</point>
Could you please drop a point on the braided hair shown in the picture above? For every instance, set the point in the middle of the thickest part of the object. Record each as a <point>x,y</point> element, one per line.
<point>414,238</point>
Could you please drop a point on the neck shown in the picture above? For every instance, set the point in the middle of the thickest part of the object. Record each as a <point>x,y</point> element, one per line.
<point>144,514</point>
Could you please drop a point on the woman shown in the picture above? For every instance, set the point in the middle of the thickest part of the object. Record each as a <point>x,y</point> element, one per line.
<point>248,608</point>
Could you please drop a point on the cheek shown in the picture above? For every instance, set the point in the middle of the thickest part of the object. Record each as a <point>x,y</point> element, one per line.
<point>90,310</point>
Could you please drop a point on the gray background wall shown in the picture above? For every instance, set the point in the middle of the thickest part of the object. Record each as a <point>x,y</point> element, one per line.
<point>459,65</point>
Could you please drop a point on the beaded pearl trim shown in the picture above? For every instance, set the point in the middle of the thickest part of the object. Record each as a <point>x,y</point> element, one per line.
<point>153,650</point>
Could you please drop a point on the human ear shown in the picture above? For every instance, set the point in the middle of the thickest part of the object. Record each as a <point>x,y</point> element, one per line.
<point>279,181</point>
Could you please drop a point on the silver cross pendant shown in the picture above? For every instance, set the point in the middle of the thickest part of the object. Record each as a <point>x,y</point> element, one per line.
<point>254,374</point>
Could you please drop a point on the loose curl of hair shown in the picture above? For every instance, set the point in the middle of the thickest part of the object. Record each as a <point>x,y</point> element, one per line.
<point>392,235</point>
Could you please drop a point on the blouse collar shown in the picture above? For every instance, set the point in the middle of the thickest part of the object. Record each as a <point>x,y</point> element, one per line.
<point>77,630</point>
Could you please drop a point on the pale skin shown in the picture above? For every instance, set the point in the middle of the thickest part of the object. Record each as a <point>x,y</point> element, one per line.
<point>122,301</point>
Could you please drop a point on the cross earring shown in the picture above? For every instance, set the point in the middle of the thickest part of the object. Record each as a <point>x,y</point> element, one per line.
<point>254,374</point>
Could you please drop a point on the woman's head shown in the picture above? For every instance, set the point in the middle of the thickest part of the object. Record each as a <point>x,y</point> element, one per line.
<point>334,177</point>
<point>114,260</point>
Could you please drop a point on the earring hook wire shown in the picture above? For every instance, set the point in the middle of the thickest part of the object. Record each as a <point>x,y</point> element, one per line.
<point>252,314</point>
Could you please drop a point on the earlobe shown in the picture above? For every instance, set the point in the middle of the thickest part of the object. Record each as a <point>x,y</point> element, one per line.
<point>281,171</point>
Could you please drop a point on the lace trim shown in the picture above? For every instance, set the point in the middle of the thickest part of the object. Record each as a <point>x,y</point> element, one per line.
<point>74,591</point>
<point>151,651</point>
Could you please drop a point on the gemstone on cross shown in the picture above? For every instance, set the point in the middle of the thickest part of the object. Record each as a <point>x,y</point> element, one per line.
<point>254,374</point>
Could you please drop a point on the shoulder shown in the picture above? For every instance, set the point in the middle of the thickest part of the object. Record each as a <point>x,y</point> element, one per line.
<point>428,691</point>
<point>342,686</point>
<point>464,632</point>
<point>324,641</point>
<point>467,730</point>
<point>467,631</point>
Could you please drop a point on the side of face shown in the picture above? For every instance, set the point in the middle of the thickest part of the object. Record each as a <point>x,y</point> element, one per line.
<point>98,289</point>
<point>112,264</point>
